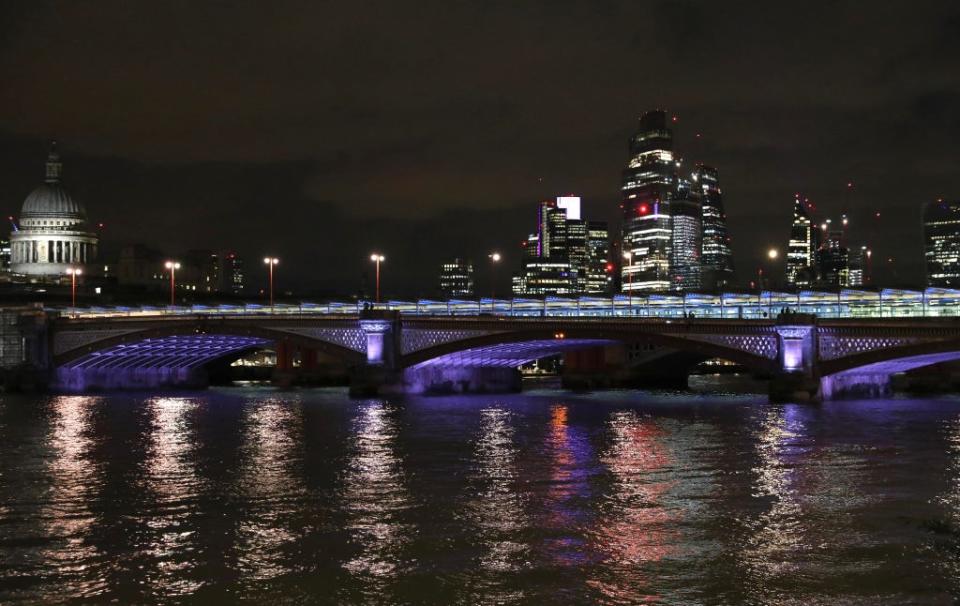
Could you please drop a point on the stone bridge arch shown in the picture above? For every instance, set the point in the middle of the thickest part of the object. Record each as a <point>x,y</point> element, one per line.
<point>895,359</point>
<point>344,340</point>
<point>515,347</point>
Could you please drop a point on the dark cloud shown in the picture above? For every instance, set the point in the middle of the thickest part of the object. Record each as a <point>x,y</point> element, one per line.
<point>318,131</point>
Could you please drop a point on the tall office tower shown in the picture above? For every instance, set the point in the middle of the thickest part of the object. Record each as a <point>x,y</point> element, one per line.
<point>941,243</point>
<point>716,259</point>
<point>551,229</point>
<point>232,276</point>
<point>568,255</point>
<point>802,249</point>
<point>686,234</point>
<point>832,260</point>
<point>859,266</point>
<point>456,279</point>
<point>577,252</point>
<point>649,184</point>
<point>599,265</point>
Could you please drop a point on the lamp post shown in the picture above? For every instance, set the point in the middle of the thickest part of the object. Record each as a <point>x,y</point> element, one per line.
<point>378,259</point>
<point>173,266</point>
<point>271,262</point>
<point>494,259</point>
<point>73,272</point>
<point>628,255</point>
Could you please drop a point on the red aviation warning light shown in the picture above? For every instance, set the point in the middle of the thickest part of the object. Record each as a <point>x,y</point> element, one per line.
<point>643,209</point>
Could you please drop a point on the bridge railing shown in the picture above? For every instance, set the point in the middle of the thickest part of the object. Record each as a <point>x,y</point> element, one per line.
<point>886,303</point>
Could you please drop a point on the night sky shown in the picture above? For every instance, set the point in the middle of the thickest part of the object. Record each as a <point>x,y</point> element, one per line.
<point>319,132</point>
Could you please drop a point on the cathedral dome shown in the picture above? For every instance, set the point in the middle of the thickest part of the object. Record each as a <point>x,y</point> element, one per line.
<point>51,200</point>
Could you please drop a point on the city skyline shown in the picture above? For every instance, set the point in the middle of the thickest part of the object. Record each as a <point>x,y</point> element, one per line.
<point>254,163</point>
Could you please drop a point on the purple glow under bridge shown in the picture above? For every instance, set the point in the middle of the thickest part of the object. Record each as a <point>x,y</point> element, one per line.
<point>188,351</point>
<point>511,355</point>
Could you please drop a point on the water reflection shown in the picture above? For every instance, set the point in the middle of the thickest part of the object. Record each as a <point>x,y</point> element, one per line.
<point>636,530</point>
<point>172,545</point>
<point>273,490</point>
<point>776,537</point>
<point>68,517</point>
<point>375,498</point>
<point>948,534</point>
<point>568,495</point>
<point>495,510</point>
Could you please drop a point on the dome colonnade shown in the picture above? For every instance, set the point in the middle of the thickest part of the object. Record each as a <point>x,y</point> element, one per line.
<point>53,234</point>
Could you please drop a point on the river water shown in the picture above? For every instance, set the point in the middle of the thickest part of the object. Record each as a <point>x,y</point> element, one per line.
<point>253,495</point>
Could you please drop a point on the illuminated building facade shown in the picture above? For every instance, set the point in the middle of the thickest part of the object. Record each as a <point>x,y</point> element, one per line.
<point>53,234</point>
<point>649,185</point>
<point>599,263</point>
<point>716,258</point>
<point>833,261</point>
<point>859,266</point>
<point>232,275</point>
<point>802,249</point>
<point>941,246</point>
<point>565,254</point>
<point>685,237</point>
<point>456,279</point>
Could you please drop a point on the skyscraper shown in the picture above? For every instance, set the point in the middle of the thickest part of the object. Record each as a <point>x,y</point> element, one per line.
<point>649,185</point>
<point>716,258</point>
<point>941,243</point>
<point>832,259</point>
<point>599,266</point>
<point>232,277</point>
<point>456,279</point>
<point>685,229</point>
<point>801,252</point>
<point>859,266</point>
<point>560,258</point>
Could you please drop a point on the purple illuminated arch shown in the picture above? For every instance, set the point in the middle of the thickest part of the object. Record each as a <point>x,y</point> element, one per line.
<point>511,354</point>
<point>171,352</point>
<point>904,364</point>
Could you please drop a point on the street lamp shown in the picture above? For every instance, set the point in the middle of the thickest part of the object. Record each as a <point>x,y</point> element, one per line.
<point>271,261</point>
<point>628,255</point>
<point>73,272</point>
<point>494,259</point>
<point>378,259</point>
<point>173,266</point>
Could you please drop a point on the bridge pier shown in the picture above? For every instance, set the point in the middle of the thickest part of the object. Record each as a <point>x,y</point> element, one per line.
<point>796,378</point>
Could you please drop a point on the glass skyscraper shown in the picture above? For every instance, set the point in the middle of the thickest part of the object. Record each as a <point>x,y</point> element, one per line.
<point>716,260</point>
<point>562,258</point>
<point>801,261</point>
<point>941,243</point>
<point>649,186</point>
<point>686,238</point>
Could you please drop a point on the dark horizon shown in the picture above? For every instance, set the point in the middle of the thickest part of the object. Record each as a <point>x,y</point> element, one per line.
<point>321,134</point>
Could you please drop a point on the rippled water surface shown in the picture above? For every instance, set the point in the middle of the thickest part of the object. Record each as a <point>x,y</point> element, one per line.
<point>262,496</point>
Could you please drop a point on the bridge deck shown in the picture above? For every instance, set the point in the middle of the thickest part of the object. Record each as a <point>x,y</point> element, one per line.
<point>886,303</point>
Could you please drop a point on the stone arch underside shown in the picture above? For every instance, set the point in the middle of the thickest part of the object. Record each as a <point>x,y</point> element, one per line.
<point>190,347</point>
<point>512,349</point>
<point>894,360</point>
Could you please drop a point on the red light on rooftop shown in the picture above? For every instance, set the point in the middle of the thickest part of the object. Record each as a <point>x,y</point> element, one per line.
<point>643,209</point>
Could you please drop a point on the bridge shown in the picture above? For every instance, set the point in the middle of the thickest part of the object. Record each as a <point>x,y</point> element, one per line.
<point>811,345</point>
